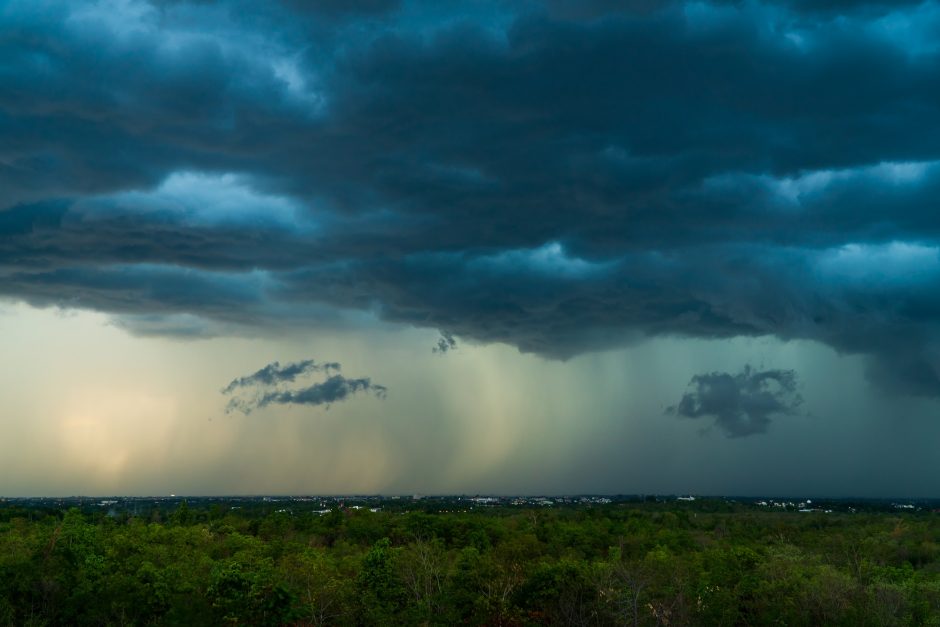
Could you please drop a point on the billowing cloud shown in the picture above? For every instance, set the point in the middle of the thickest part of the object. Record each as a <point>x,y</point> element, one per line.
<point>264,387</point>
<point>554,175</point>
<point>740,404</point>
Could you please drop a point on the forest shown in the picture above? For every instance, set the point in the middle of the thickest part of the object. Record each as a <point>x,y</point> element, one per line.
<point>707,563</point>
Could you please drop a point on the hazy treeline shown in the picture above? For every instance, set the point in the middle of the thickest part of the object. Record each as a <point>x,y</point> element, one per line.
<point>610,565</point>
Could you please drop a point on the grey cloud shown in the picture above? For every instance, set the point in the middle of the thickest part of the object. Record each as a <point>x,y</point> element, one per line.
<point>263,387</point>
<point>274,373</point>
<point>557,176</point>
<point>740,404</point>
<point>335,388</point>
<point>445,343</point>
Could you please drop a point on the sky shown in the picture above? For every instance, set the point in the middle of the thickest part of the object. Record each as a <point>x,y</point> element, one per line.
<point>475,247</point>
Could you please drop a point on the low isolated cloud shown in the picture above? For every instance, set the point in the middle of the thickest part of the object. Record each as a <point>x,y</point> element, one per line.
<point>444,343</point>
<point>275,373</point>
<point>740,404</point>
<point>262,388</point>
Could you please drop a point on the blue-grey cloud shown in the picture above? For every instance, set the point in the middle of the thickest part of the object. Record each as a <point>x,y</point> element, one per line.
<point>264,387</point>
<point>336,388</point>
<point>274,374</point>
<point>554,175</point>
<point>740,404</point>
<point>446,342</point>
<point>333,390</point>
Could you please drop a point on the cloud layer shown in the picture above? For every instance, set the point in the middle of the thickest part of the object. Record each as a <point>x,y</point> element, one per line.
<point>554,175</point>
<point>740,404</point>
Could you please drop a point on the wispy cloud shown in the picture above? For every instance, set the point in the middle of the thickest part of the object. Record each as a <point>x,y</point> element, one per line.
<point>274,373</point>
<point>262,388</point>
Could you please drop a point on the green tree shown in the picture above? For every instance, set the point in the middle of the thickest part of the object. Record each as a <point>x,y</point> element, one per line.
<point>382,593</point>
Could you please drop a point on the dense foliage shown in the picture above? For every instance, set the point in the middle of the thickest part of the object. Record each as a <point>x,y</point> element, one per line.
<point>613,564</point>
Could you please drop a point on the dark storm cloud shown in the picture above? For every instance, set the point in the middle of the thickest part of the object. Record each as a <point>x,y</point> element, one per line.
<point>263,388</point>
<point>740,404</point>
<point>342,7</point>
<point>558,176</point>
<point>580,9</point>
<point>850,7</point>
<point>55,234</point>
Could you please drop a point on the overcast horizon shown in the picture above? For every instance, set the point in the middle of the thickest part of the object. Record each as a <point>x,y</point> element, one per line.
<point>406,247</point>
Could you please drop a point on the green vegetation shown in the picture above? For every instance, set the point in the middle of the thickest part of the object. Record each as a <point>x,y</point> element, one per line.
<point>710,563</point>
